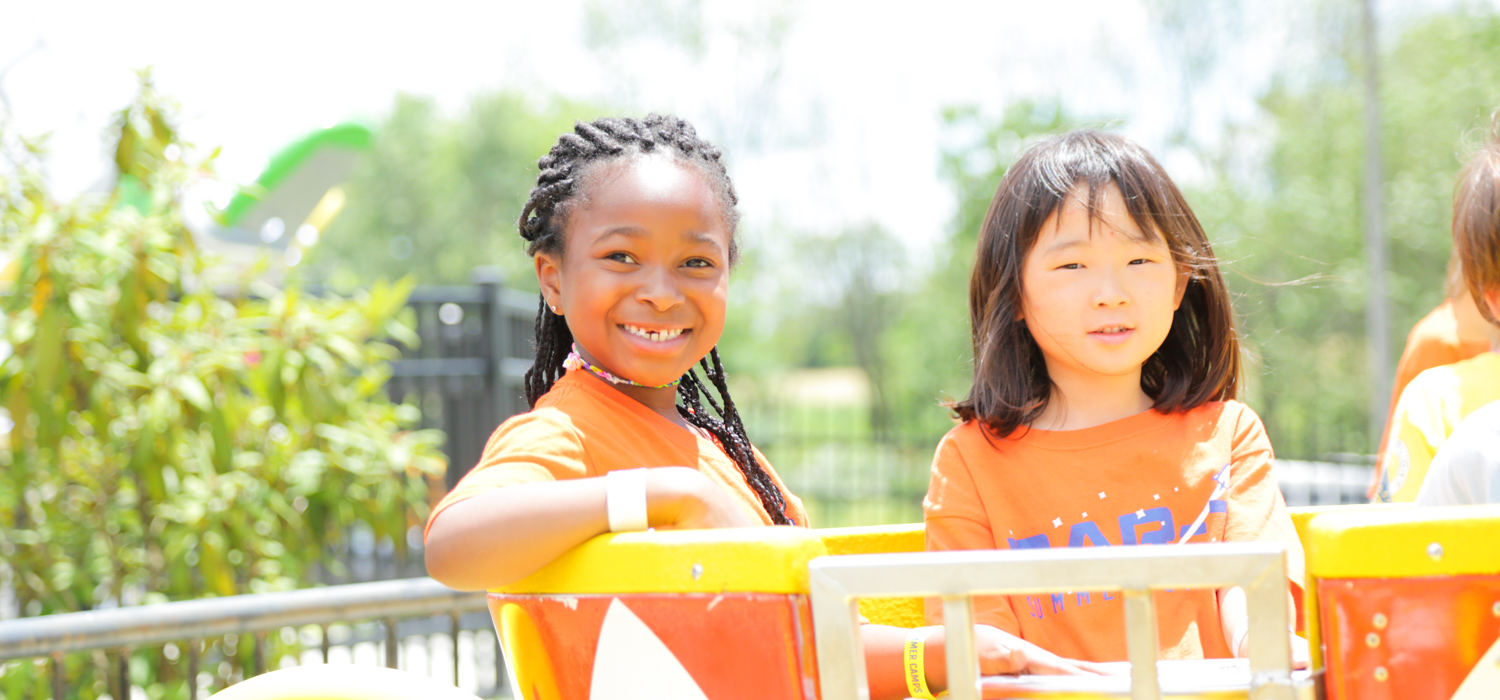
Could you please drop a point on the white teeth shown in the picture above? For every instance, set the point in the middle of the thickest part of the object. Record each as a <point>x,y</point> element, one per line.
<point>1113,329</point>
<point>654,336</point>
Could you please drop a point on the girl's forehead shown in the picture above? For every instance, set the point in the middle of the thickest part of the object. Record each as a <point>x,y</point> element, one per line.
<point>645,193</point>
<point>1086,211</point>
<point>649,176</point>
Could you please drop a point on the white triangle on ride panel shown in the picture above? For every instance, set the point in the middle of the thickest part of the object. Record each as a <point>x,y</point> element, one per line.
<point>632,663</point>
<point>1483,682</point>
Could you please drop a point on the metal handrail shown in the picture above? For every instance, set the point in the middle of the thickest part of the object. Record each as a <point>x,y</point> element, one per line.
<point>1259,568</point>
<point>55,636</point>
<point>144,625</point>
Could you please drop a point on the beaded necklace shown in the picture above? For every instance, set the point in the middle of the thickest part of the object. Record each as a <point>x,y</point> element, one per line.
<point>576,361</point>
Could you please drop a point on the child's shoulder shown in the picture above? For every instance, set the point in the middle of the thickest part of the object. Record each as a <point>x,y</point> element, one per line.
<point>1230,417</point>
<point>966,433</point>
<point>1483,368</point>
<point>540,423</point>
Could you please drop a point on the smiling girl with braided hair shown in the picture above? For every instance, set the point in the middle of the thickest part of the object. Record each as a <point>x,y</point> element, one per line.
<point>631,225</point>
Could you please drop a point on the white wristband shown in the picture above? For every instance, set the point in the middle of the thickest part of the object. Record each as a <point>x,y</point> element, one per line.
<point>625,499</point>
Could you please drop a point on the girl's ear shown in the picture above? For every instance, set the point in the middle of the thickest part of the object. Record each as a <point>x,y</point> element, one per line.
<point>1184,275</point>
<point>549,278</point>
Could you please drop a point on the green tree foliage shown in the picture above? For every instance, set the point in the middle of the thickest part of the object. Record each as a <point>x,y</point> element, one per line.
<point>1299,218</point>
<point>929,340</point>
<point>852,299</point>
<point>439,196</point>
<point>165,442</point>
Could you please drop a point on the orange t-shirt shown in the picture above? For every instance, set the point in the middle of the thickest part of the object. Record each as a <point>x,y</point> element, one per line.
<point>1433,342</point>
<point>583,427</point>
<point>1139,480</point>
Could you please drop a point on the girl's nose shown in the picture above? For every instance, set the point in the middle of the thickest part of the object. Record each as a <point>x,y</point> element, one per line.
<point>1110,291</point>
<point>659,288</point>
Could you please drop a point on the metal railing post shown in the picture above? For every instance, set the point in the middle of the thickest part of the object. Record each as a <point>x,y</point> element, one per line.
<point>453,631</point>
<point>963,659</point>
<point>258,665</point>
<point>192,646</point>
<point>1141,643</point>
<point>124,672</point>
<point>392,644</point>
<point>59,688</point>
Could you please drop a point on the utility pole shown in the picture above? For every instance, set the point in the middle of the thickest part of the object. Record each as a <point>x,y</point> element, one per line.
<point>1377,306</point>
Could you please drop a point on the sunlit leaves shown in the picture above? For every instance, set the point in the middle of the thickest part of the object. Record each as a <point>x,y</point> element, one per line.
<point>166,442</point>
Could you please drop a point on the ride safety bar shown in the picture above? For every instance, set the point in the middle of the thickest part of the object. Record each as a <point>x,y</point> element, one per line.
<point>836,584</point>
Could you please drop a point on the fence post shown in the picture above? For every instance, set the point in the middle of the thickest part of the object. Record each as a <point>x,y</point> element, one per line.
<point>59,668</point>
<point>392,644</point>
<point>492,281</point>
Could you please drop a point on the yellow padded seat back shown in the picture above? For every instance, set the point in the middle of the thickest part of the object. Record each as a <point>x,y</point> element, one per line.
<point>881,539</point>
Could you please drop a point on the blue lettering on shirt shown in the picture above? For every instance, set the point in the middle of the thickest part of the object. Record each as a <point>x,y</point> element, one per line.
<point>1032,542</point>
<point>1086,533</point>
<point>1036,606</point>
<point>1162,534</point>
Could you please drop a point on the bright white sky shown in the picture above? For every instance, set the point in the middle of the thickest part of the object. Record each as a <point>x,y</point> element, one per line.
<point>848,130</point>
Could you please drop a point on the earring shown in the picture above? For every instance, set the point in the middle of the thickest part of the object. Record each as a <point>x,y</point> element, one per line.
<point>554,310</point>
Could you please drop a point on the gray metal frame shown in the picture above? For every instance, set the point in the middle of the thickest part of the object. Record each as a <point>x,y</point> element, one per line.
<point>1259,568</point>
<point>149,625</point>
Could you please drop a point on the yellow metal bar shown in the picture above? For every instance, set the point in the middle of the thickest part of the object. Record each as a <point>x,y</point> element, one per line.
<point>759,560</point>
<point>1403,543</point>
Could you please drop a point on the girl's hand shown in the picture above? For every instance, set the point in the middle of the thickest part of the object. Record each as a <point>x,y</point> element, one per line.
<point>1002,652</point>
<point>683,498</point>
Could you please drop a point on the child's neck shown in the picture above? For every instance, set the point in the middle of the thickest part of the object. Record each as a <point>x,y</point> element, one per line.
<point>661,400</point>
<point>1085,402</point>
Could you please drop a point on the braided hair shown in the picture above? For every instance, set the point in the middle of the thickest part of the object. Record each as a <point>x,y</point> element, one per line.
<point>558,189</point>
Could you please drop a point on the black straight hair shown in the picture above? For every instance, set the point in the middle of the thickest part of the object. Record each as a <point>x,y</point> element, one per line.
<point>1200,359</point>
<point>561,186</point>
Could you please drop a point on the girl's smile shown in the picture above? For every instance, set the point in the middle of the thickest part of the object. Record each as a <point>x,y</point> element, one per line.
<point>655,336</point>
<point>643,277</point>
<point>1112,335</point>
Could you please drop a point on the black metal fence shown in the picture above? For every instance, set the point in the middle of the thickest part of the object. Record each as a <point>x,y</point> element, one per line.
<point>466,375</point>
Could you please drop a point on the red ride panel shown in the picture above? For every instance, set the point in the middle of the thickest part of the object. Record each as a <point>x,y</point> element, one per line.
<point>1434,631</point>
<point>734,645</point>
